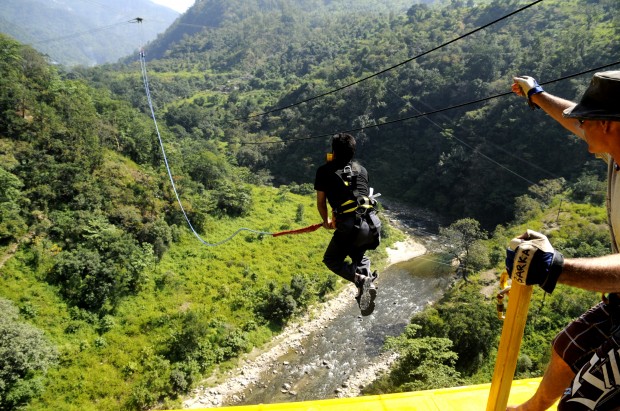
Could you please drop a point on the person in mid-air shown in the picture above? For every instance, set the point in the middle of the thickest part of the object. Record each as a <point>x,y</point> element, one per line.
<point>344,184</point>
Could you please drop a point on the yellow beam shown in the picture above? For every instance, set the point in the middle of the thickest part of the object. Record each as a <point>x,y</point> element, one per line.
<point>509,344</point>
<point>468,398</point>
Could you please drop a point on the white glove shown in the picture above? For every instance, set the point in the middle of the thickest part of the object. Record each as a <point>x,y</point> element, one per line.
<point>527,86</point>
<point>531,259</point>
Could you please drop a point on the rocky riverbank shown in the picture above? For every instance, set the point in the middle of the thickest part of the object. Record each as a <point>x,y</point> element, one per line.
<point>258,361</point>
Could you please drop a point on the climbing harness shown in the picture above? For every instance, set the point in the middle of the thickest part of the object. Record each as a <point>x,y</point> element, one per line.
<point>359,204</point>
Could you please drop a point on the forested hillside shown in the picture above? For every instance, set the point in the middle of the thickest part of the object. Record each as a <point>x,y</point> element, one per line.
<point>83,32</point>
<point>470,161</point>
<point>108,301</point>
<point>115,303</point>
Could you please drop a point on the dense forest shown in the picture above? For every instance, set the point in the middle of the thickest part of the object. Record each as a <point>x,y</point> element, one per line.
<point>110,301</point>
<point>216,82</point>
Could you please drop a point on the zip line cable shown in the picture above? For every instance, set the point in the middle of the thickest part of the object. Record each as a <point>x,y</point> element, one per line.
<point>394,66</point>
<point>147,89</point>
<point>82,33</point>
<point>427,113</point>
<point>475,150</point>
<point>174,188</point>
<point>507,152</point>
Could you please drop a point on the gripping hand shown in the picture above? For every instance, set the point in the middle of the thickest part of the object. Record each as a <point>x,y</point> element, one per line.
<point>526,86</point>
<point>530,259</point>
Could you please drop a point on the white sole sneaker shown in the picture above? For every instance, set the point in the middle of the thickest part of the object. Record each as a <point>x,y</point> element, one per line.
<point>369,293</point>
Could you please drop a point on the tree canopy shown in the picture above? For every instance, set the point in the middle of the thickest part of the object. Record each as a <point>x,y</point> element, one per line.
<point>97,254</point>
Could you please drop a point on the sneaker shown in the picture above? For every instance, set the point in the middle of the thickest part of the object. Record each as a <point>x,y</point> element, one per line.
<point>366,295</point>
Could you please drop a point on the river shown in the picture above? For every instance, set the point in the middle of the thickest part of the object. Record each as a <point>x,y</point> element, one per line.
<point>345,351</point>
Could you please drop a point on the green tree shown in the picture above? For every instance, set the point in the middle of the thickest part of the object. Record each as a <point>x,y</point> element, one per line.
<point>233,199</point>
<point>12,224</point>
<point>468,320</point>
<point>424,363</point>
<point>106,266</point>
<point>25,356</point>
<point>462,242</point>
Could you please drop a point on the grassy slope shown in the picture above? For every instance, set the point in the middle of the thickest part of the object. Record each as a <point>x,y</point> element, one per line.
<point>99,367</point>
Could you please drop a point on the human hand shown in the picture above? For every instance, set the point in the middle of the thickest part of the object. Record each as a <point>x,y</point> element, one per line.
<point>526,86</point>
<point>531,259</point>
<point>329,224</point>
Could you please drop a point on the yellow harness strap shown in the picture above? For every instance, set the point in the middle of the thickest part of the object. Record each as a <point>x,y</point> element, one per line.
<point>366,205</point>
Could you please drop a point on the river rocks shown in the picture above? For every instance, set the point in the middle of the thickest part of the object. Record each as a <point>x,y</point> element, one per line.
<point>286,389</point>
<point>248,373</point>
<point>353,386</point>
<point>290,339</point>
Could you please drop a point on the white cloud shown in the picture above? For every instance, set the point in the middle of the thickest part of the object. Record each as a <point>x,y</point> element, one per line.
<point>179,5</point>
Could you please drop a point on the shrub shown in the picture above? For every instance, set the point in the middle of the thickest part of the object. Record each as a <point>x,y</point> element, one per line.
<point>233,200</point>
<point>25,357</point>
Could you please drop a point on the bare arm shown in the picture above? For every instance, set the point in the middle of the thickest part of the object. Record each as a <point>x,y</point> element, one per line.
<point>321,205</point>
<point>595,274</point>
<point>554,106</point>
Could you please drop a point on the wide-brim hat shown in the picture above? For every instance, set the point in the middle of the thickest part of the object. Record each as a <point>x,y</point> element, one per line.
<point>601,101</point>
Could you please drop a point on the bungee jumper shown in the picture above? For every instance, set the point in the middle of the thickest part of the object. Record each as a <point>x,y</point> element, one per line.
<point>344,184</point>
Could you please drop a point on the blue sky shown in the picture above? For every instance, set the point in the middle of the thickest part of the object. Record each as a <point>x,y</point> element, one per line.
<point>179,5</point>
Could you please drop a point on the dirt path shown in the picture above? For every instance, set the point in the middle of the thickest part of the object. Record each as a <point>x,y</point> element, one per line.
<point>256,362</point>
<point>12,249</point>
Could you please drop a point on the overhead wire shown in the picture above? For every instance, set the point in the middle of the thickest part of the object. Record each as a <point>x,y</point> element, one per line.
<point>91,31</point>
<point>462,142</point>
<point>507,152</point>
<point>168,170</point>
<point>426,113</point>
<point>81,33</point>
<point>394,66</point>
<point>476,151</point>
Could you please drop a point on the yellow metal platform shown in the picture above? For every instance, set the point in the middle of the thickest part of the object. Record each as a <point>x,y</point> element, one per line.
<point>470,398</point>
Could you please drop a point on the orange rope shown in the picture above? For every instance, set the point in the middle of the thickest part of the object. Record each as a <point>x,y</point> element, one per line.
<point>308,229</point>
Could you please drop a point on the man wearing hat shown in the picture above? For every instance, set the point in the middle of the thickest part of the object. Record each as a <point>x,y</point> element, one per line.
<point>585,362</point>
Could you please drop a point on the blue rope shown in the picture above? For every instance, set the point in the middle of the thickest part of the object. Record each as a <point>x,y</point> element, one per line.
<point>163,151</point>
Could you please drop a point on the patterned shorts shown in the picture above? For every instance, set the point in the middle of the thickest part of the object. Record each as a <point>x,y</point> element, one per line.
<point>577,342</point>
<point>596,386</point>
<point>593,353</point>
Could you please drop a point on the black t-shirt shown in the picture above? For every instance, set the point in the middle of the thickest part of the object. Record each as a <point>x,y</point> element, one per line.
<point>329,182</point>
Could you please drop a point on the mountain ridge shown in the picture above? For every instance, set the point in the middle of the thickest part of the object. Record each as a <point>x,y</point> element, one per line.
<point>74,32</point>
